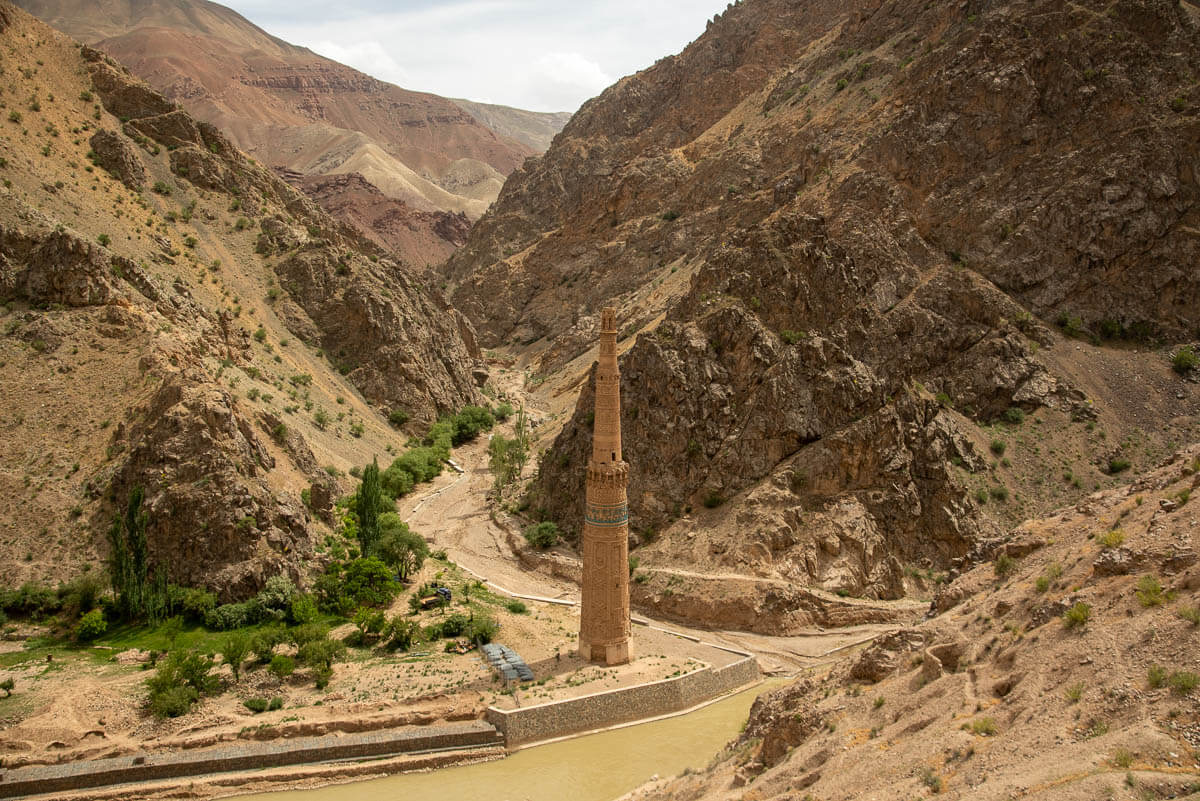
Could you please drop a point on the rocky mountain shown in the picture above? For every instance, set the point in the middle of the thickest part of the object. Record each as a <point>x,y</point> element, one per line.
<point>534,129</point>
<point>886,273</point>
<point>289,107</point>
<point>176,317</point>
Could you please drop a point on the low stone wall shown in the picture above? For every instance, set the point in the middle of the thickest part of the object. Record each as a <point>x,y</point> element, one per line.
<point>612,707</point>
<point>248,756</point>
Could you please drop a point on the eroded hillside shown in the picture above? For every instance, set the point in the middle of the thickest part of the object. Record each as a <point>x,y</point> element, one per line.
<point>1063,667</point>
<point>176,317</point>
<point>887,273</point>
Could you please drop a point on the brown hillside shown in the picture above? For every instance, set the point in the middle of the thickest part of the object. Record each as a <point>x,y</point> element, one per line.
<point>289,107</point>
<point>892,276</point>
<point>176,317</point>
<point>1064,667</point>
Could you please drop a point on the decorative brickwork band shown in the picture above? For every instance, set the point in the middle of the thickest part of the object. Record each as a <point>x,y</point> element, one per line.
<point>604,609</point>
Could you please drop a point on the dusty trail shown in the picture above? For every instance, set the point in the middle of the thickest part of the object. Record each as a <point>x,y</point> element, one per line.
<point>452,512</point>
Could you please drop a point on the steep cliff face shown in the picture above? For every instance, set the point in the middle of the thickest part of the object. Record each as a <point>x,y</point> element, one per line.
<point>175,317</point>
<point>849,239</point>
<point>1050,149</point>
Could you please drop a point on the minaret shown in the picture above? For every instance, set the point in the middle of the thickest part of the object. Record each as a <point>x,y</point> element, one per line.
<point>604,612</point>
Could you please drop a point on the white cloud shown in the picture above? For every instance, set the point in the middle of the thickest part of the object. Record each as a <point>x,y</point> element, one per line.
<point>366,56</point>
<point>537,54</point>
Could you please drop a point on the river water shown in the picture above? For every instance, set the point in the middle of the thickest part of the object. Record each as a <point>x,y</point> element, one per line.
<point>596,767</point>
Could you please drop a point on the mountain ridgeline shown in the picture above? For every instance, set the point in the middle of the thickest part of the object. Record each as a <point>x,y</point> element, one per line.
<point>854,246</point>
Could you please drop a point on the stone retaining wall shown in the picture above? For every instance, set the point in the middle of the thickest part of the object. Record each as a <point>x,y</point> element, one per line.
<point>247,756</point>
<point>612,707</point>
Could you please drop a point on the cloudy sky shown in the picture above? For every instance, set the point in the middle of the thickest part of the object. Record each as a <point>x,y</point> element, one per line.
<point>536,54</point>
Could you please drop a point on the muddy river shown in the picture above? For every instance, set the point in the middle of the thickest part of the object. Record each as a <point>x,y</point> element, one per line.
<point>596,767</point>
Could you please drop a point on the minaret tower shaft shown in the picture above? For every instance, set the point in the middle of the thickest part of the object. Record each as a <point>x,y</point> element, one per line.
<point>604,611</point>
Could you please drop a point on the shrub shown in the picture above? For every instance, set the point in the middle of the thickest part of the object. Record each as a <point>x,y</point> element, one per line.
<point>670,216</point>
<point>1191,614</point>
<point>503,411</point>
<point>517,607</point>
<point>256,705</point>
<point>282,666</point>
<point>191,603</point>
<point>998,447</point>
<point>542,535</point>
<point>469,422</point>
<point>1075,692</point>
<point>1118,465</point>
<point>398,417</point>
<point>928,776</point>
<point>227,617</point>
<point>790,337</point>
<point>985,727</point>
<point>361,582</point>
<point>1150,591</point>
<point>179,681</point>
<point>454,625</point>
<point>400,633</point>
<point>276,596</point>
<point>713,499</point>
<point>482,629</point>
<point>303,609</point>
<point>161,188</point>
<point>91,626</point>
<point>1122,758</point>
<point>1156,676</point>
<point>1077,616</point>
<point>1014,415</point>
<point>7,685</point>
<point>276,703</point>
<point>1183,682</point>
<point>1004,564</point>
<point>1112,539</point>
<point>104,239</point>
<point>401,549</point>
<point>999,493</point>
<point>172,702</point>
<point>1184,360</point>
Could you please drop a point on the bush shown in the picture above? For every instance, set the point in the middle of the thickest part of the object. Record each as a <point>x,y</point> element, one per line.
<point>1184,360</point>
<point>712,500</point>
<point>1042,584</point>
<point>179,681</point>
<point>454,625</point>
<point>282,666</point>
<point>1014,415</point>
<point>264,642</point>
<point>517,607</point>
<point>985,727</point>
<point>191,603</point>
<point>161,188</point>
<point>542,535</point>
<point>482,629</point>
<point>172,702</point>
<point>1183,682</point>
<point>91,626</point>
<point>400,633</point>
<point>1191,614</point>
<point>401,549</point>
<point>469,423</point>
<point>503,411</point>
<point>1156,676</point>
<point>1112,539</point>
<point>1150,591</point>
<point>1077,616</point>
<point>256,705</point>
<point>227,617</point>
<point>104,239</point>
<point>1118,465</point>
<point>276,703</point>
<point>303,609</point>
<point>398,417</point>
<point>998,447</point>
<point>1004,565</point>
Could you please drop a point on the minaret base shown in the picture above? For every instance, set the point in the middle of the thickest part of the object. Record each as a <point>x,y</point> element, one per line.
<point>615,654</point>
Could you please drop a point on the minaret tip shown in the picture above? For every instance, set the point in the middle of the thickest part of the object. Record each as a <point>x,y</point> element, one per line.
<point>608,320</point>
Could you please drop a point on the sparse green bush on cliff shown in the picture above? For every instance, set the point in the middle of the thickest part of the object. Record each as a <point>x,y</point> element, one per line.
<point>542,535</point>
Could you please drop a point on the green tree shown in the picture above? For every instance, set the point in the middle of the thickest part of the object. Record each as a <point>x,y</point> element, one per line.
<point>234,650</point>
<point>129,559</point>
<point>370,498</point>
<point>400,548</point>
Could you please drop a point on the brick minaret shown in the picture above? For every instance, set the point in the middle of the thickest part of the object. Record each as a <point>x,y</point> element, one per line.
<point>604,613</point>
